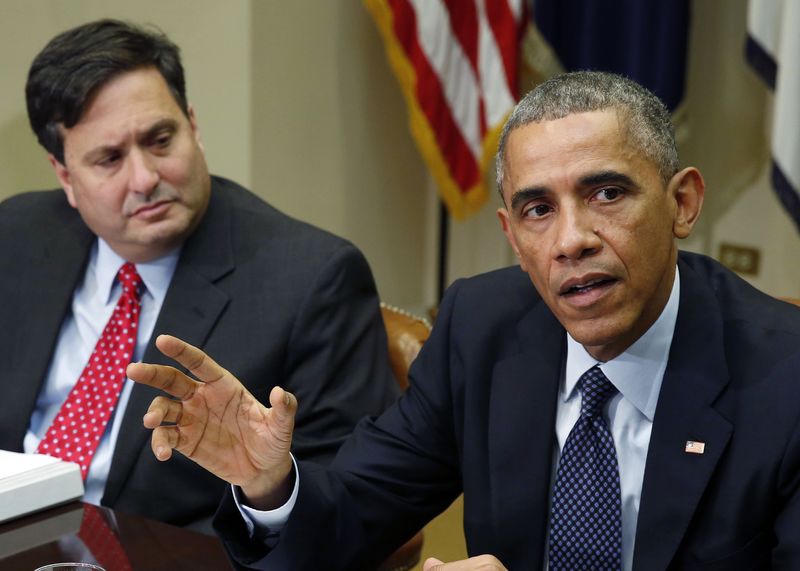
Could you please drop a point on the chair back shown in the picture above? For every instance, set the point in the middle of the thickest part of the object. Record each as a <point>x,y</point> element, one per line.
<point>405,333</point>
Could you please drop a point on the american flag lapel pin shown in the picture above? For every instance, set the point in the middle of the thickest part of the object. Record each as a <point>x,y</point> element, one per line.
<point>694,447</point>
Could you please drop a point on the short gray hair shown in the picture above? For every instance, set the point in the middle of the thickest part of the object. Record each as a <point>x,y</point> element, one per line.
<point>648,122</point>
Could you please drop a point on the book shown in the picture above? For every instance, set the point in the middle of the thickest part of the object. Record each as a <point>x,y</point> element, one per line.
<point>33,482</point>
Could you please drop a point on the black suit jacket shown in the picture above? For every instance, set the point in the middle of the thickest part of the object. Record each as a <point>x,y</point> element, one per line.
<point>480,417</point>
<point>274,300</point>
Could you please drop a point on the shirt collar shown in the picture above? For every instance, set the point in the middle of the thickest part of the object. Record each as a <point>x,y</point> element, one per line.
<point>156,274</point>
<point>637,372</point>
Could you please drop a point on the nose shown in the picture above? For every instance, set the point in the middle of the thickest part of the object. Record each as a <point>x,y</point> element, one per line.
<point>143,176</point>
<point>576,236</point>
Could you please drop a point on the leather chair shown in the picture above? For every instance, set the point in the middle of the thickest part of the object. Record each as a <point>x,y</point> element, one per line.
<point>405,333</point>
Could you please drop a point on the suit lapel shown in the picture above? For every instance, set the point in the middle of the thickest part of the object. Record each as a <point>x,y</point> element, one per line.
<point>191,308</point>
<point>49,279</point>
<point>674,480</point>
<point>521,420</point>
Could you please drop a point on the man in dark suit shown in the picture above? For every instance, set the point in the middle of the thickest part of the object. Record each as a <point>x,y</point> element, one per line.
<point>635,409</point>
<point>282,302</point>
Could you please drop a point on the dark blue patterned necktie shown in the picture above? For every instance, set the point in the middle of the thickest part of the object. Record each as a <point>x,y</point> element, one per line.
<point>585,523</point>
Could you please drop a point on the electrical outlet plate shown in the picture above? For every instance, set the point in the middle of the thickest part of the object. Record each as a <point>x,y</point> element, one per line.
<point>741,259</point>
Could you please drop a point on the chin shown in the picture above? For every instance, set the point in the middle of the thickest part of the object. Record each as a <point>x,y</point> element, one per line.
<point>595,332</point>
<point>157,245</point>
<point>169,230</point>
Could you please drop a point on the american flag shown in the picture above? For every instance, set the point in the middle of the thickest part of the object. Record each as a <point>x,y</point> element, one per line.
<point>773,44</point>
<point>456,61</point>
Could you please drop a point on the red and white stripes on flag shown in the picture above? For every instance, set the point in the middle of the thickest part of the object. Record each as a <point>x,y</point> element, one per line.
<point>773,48</point>
<point>456,61</point>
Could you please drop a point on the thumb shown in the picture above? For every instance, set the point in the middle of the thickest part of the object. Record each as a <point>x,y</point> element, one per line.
<point>284,407</point>
<point>431,563</point>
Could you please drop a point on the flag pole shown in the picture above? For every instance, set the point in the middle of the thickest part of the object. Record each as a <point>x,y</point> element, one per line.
<point>444,227</point>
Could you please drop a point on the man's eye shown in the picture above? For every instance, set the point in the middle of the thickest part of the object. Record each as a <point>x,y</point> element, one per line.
<point>162,141</point>
<point>109,160</point>
<point>608,194</point>
<point>537,211</point>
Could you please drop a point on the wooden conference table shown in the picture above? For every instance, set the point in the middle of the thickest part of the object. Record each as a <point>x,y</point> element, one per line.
<point>53,536</point>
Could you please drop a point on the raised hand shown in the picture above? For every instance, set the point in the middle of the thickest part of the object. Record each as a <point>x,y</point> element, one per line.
<point>216,422</point>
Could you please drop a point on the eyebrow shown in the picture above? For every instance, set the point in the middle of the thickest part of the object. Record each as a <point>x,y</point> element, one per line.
<point>152,131</point>
<point>607,177</point>
<point>98,152</point>
<point>159,126</point>
<point>527,194</point>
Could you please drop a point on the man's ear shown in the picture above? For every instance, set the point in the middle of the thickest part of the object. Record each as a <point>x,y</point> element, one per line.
<point>62,174</point>
<point>505,223</point>
<point>687,189</point>
<point>195,128</point>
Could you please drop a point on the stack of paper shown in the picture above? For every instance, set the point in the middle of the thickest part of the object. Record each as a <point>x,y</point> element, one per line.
<point>32,482</point>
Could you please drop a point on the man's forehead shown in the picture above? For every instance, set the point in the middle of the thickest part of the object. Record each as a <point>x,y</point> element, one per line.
<point>570,126</point>
<point>140,86</point>
<point>130,105</point>
<point>558,139</point>
<point>573,151</point>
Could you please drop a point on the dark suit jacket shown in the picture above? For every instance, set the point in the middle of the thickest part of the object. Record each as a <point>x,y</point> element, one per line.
<point>480,417</point>
<point>274,300</point>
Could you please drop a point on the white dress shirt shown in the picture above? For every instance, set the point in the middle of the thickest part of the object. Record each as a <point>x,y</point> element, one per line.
<point>93,302</point>
<point>637,374</point>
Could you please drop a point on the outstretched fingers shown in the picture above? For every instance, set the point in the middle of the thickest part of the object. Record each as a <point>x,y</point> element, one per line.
<point>195,360</point>
<point>168,379</point>
<point>217,423</point>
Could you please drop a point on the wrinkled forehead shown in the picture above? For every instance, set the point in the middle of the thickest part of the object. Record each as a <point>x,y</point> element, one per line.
<point>620,114</point>
<point>563,136</point>
<point>558,153</point>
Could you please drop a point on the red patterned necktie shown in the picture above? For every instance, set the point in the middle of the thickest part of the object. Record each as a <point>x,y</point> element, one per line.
<point>83,417</point>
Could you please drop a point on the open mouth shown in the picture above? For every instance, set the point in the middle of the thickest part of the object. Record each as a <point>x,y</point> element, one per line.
<point>586,287</point>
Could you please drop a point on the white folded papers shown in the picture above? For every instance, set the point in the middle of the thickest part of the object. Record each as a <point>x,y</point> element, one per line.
<point>32,482</point>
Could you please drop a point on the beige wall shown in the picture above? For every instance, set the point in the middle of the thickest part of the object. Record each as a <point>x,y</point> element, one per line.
<point>330,136</point>
<point>296,100</point>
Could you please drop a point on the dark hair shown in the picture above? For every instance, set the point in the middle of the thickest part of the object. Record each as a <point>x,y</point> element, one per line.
<point>647,120</point>
<point>76,63</point>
